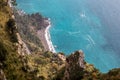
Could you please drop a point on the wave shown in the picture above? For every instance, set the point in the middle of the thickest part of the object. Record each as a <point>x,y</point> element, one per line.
<point>89,38</point>
<point>74,33</point>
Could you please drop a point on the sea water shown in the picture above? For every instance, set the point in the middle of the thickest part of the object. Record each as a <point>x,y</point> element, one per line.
<point>89,25</point>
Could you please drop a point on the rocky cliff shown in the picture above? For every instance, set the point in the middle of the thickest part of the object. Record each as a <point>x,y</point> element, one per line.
<point>74,64</point>
<point>76,68</point>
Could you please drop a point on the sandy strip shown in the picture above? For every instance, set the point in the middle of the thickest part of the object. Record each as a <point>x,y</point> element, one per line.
<point>45,38</point>
<point>48,38</point>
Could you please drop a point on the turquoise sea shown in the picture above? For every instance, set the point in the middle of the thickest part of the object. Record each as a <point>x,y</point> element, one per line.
<point>90,25</point>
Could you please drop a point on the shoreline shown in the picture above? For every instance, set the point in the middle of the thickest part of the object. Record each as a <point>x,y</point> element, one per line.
<point>45,38</point>
<point>48,37</point>
<point>43,34</point>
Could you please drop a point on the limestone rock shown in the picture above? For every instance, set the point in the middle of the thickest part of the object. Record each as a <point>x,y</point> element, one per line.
<point>75,65</point>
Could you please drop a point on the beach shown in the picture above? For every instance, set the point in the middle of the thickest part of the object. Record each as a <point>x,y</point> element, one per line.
<point>43,34</point>
<point>45,38</point>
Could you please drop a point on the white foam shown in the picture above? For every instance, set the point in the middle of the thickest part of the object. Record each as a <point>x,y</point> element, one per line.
<point>90,40</point>
<point>48,38</point>
<point>83,15</point>
<point>74,33</point>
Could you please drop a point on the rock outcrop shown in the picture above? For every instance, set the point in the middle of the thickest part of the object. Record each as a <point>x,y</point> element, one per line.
<point>75,64</point>
<point>77,69</point>
<point>22,47</point>
<point>2,75</point>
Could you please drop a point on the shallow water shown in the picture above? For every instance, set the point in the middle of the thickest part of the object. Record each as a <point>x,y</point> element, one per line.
<point>90,25</point>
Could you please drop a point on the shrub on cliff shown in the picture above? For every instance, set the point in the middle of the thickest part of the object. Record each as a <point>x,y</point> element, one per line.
<point>3,52</point>
<point>113,74</point>
<point>11,28</point>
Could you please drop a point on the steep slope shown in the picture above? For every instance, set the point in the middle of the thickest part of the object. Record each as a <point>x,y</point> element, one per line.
<point>11,63</point>
<point>28,26</point>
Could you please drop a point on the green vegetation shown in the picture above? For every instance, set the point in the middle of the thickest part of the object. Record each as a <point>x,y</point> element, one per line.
<point>11,63</point>
<point>28,25</point>
<point>14,2</point>
<point>45,64</point>
<point>11,29</point>
<point>113,74</point>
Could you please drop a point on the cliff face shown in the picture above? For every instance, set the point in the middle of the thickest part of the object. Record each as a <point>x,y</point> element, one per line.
<point>22,47</point>
<point>28,28</point>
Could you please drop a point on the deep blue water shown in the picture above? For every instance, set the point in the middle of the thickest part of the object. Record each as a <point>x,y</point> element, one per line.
<point>90,25</point>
